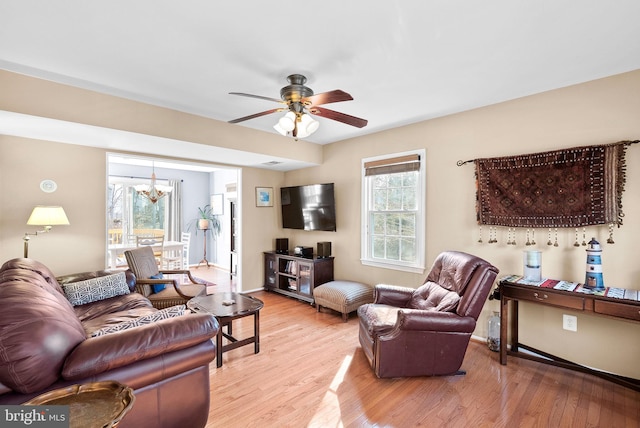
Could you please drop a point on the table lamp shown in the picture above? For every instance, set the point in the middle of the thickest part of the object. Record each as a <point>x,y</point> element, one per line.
<point>46,216</point>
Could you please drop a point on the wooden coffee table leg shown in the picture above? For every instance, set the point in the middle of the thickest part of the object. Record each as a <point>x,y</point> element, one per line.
<point>219,348</point>
<point>256,330</point>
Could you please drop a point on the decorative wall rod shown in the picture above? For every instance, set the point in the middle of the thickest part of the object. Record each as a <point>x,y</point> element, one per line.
<point>626,143</point>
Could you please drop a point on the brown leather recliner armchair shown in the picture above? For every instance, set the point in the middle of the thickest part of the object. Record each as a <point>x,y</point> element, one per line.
<point>425,331</point>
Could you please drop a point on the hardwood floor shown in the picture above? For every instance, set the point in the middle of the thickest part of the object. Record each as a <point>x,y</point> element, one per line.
<point>311,372</point>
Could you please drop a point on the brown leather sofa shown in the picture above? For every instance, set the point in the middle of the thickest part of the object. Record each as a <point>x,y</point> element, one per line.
<point>426,331</point>
<point>46,343</point>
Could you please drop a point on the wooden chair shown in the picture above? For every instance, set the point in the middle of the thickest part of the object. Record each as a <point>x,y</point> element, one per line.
<point>142,263</point>
<point>155,242</point>
<point>179,260</point>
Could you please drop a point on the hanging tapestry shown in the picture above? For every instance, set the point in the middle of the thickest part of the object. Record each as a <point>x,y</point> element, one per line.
<point>574,187</point>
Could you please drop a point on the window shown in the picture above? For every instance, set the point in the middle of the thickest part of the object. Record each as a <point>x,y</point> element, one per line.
<point>130,213</point>
<point>393,218</point>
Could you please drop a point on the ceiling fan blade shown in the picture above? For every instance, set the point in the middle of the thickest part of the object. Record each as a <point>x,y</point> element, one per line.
<point>327,97</point>
<point>340,117</point>
<point>260,97</point>
<point>253,116</point>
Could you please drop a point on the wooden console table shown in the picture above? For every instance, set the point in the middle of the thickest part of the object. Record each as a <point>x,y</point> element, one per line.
<point>512,289</point>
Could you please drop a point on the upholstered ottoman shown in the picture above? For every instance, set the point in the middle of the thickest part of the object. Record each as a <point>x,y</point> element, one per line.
<point>342,296</point>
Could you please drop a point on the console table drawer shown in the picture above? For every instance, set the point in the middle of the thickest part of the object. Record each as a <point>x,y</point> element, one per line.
<point>615,309</point>
<point>543,296</point>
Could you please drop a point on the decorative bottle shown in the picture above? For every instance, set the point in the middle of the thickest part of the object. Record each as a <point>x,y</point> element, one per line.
<point>493,334</point>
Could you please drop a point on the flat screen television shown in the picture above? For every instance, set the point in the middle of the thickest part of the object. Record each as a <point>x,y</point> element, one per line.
<point>309,207</point>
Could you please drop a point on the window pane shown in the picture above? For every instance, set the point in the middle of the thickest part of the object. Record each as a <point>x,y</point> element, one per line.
<point>395,199</point>
<point>147,215</point>
<point>393,224</point>
<point>114,211</point>
<point>408,224</point>
<point>410,179</point>
<point>380,199</point>
<point>378,247</point>
<point>395,180</point>
<point>393,249</point>
<point>409,198</point>
<point>378,223</point>
<point>379,181</point>
<point>408,248</point>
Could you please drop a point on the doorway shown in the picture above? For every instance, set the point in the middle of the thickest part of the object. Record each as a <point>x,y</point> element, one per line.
<point>187,186</point>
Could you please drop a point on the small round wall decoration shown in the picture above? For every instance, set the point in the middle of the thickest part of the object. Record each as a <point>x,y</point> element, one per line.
<point>48,186</point>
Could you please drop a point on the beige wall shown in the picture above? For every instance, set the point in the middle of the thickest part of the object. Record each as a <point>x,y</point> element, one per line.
<point>80,174</point>
<point>598,112</point>
<point>259,225</point>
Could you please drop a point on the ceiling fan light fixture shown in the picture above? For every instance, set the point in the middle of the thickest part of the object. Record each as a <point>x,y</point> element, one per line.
<point>278,128</point>
<point>313,125</point>
<point>301,101</point>
<point>306,126</point>
<point>287,122</point>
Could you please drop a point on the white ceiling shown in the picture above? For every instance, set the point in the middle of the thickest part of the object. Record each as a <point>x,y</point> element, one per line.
<point>402,61</point>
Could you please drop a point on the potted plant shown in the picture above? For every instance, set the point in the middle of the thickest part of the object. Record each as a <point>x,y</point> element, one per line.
<point>206,220</point>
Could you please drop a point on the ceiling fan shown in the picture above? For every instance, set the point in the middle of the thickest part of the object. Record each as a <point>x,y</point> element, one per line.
<point>300,102</point>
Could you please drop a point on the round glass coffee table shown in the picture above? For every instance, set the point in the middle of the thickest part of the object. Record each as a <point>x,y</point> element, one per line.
<point>227,307</point>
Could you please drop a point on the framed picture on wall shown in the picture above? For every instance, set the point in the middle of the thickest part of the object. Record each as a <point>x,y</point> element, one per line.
<point>264,196</point>
<point>217,204</point>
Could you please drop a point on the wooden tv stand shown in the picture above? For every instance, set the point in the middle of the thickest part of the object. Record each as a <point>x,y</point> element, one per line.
<point>512,291</point>
<point>296,276</point>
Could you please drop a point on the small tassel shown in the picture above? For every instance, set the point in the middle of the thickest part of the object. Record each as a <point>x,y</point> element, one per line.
<point>492,235</point>
<point>610,239</point>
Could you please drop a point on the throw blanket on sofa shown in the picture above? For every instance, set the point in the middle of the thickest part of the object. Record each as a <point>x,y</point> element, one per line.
<point>562,188</point>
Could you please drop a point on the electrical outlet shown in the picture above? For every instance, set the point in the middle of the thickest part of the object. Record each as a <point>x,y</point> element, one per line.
<point>570,322</point>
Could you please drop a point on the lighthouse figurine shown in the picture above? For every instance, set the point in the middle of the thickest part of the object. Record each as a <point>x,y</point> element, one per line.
<point>594,266</point>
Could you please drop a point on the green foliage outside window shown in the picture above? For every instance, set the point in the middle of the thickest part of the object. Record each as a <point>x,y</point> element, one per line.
<point>393,216</point>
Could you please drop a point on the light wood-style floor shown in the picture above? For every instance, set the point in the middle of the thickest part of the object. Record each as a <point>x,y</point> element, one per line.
<point>311,372</point>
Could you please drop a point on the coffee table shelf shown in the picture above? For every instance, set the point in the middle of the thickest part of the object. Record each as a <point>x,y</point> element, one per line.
<point>227,307</point>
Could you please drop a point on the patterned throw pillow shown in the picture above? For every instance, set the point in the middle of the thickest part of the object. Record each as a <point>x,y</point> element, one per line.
<point>163,314</point>
<point>94,289</point>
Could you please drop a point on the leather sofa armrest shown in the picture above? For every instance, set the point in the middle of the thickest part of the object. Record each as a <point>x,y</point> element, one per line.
<point>99,354</point>
<point>442,322</point>
<point>392,295</point>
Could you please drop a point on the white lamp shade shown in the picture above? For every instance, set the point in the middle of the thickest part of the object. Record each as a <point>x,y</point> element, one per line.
<point>48,216</point>
<point>287,122</point>
<point>278,128</point>
<point>307,126</point>
<point>313,126</point>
